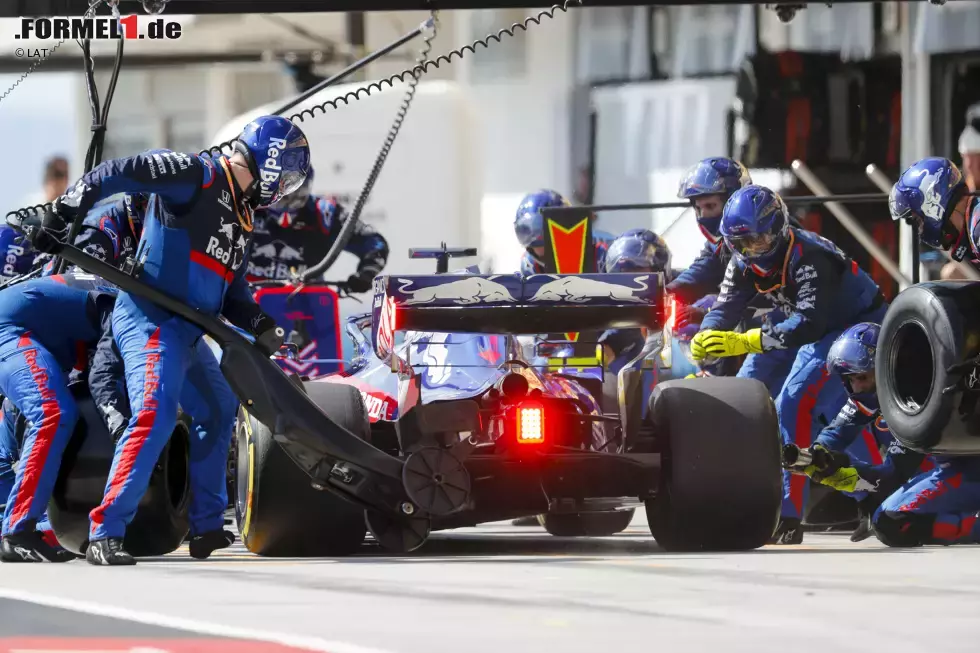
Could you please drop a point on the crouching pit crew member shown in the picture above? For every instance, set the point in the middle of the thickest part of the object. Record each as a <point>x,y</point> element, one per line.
<point>296,233</point>
<point>821,292</point>
<point>849,450</point>
<point>194,246</point>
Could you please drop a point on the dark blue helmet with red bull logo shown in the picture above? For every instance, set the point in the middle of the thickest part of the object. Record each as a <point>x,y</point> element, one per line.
<point>755,226</point>
<point>712,176</point>
<point>638,250</point>
<point>854,353</point>
<point>278,157</point>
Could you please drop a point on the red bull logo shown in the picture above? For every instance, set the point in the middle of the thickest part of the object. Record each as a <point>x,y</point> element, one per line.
<point>151,382</point>
<point>39,374</point>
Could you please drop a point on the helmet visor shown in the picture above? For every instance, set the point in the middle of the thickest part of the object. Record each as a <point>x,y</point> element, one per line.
<point>290,182</point>
<point>753,245</point>
<point>631,264</point>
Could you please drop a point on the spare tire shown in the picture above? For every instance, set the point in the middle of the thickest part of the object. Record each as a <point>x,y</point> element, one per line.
<point>279,512</point>
<point>160,524</point>
<point>721,484</point>
<point>928,328</point>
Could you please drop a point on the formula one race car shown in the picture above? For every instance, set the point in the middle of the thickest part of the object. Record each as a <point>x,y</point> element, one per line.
<point>486,435</point>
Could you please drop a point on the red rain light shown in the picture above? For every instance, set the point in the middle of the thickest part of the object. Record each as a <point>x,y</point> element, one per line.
<point>530,424</point>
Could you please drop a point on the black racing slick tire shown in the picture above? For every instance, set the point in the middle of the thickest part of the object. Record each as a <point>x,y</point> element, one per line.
<point>721,484</point>
<point>928,328</point>
<point>279,513</point>
<point>586,524</point>
<point>161,521</point>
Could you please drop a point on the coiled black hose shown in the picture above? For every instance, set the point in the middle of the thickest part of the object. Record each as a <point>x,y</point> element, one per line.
<point>416,73</point>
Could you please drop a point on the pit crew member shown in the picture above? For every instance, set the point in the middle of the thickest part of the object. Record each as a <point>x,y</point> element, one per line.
<point>707,185</point>
<point>940,505</point>
<point>529,228</point>
<point>821,291</point>
<point>635,251</point>
<point>296,233</point>
<point>47,326</point>
<point>932,196</point>
<point>860,433</point>
<point>195,242</point>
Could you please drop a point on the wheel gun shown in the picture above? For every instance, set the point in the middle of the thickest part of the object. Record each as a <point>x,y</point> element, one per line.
<point>796,460</point>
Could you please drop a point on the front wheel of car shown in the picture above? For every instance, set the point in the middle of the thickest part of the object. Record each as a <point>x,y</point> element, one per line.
<point>721,483</point>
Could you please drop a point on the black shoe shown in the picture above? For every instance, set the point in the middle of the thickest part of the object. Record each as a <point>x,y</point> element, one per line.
<point>108,551</point>
<point>863,530</point>
<point>203,545</point>
<point>29,546</point>
<point>789,531</point>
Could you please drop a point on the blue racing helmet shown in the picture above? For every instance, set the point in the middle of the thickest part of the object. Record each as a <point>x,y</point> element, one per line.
<point>854,353</point>
<point>638,250</point>
<point>715,175</point>
<point>925,196</point>
<point>529,223</point>
<point>755,226</point>
<point>278,157</point>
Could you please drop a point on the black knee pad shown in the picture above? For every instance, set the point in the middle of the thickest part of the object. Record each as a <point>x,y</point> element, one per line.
<point>902,529</point>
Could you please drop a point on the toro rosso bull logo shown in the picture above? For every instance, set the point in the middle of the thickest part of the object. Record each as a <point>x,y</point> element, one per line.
<point>472,290</point>
<point>580,290</point>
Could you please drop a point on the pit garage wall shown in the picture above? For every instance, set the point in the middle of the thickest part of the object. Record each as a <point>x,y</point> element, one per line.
<point>647,135</point>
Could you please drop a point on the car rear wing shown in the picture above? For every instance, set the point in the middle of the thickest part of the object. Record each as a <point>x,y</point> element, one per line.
<point>514,304</point>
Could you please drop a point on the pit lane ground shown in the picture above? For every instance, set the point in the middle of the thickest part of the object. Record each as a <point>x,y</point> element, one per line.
<point>500,587</point>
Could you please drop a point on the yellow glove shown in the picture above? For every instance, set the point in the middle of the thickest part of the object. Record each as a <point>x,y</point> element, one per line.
<point>691,376</point>
<point>726,343</point>
<point>845,479</point>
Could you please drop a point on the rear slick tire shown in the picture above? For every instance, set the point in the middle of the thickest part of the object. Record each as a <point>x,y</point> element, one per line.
<point>279,513</point>
<point>721,484</point>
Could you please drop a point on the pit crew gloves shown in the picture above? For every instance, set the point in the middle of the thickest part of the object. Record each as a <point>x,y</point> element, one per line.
<point>833,470</point>
<point>49,238</point>
<point>689,315</point>
<point>726,343</point>
<point>268,336</point>
<point>360,282</point>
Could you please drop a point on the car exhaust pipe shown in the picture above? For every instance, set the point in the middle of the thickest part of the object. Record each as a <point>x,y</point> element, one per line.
<point>512,386</point>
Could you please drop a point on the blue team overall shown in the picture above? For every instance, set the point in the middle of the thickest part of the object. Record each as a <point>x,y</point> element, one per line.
<point>36,355</point>
<point>298,231</point>
<point>111,233</point>
<point>194,244</point>
<point>819,289</point>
